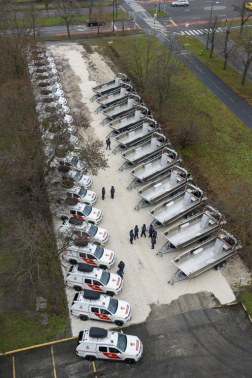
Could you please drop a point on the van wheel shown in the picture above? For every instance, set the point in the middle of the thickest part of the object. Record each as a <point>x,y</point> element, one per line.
<point>91,358</point>
<point>104,267</point>
<point>118,323</point>
<point>77,288</point>
<point>63,218</point>
<point>110,293</point>
<point>73,262</point>
<point>129,361</point>
<point>217,267</point>
<point>84,317</point>
<point>224,263</point>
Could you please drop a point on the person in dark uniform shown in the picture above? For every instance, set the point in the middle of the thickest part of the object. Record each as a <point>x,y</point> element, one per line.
<point>151,229</point>
<point>136,230</point>
<point>131,236</point>
<point>121,265</point>
<point>154,233</point>
<point>108,144</point>
<point>120,273</point>
<point>103,193</point>
<point>112,192</point>
<point>153,242</point>
<point>143,230</point>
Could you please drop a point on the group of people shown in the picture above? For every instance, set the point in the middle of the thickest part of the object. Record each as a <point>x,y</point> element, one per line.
<point>112,192</point>
<point>152,234</point>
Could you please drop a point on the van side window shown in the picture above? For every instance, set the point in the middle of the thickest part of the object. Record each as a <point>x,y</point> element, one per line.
<point>91,257</point>
<point>97,283</point>
<point>69,194</point>
<point>105,312</point>
<point>77,233</point>
<point>82,254</point>
<point>102,349</point>
<point>73,212</point>
<point>87,281</point>
<point>113,350</point>
<point>95,309</point>
<point>80,213</point>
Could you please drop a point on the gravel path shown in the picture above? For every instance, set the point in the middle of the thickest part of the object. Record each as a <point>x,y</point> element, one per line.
<point>146,275</point>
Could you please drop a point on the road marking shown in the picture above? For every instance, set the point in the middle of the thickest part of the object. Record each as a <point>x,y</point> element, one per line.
<point>54,370</point>
<point>13,364</point>
<point>173,23</point>
<point>94,368</point>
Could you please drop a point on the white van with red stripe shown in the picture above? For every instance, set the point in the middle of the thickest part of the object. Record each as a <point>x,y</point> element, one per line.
<point>74,208</point>
<point>96,306</point>
<point>82,251</point>
<point>84,276</point>
<point>98,343</point>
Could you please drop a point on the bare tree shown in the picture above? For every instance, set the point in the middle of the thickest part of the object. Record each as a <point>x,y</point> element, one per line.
<point>124,17</point>
<point>100,16</point>
<point>246,52</point>
<point>116,6</point>
<point>10,23</point>
<point>90,6</point>
<point>163,71</point>
<point>244,13</point>
<point>47,2</point>
<point>139,56</point>
<point>67,10</point>
<point>32,15</point>
<point>230,47</point>
<point>212,32</point>
<point>187,133</point>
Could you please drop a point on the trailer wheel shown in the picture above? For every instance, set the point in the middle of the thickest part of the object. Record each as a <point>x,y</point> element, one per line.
<point>129,361</point>
<point>77,288</point>
<point>224,263</point>
<point>121,168</point>
<point>118,323</point>
<point>84,317</point>
<point>90,358</point>
<point>137,208</point>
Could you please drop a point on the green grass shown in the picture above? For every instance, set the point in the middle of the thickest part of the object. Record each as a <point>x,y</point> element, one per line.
<point>230,76</point>
<point>57,21</point>
<point>246,298</point>
<point>235,22</point>
<point>21,330</point>
<point>117,33</point>
<point>52,6</point>
<point>225,149</point>
<point>159,14</point>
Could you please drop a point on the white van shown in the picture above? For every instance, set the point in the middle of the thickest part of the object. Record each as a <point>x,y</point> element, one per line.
<point>96,306</point>
<point>98,343</point>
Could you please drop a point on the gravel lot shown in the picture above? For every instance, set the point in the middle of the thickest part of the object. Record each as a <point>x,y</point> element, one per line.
<point>146,275</point>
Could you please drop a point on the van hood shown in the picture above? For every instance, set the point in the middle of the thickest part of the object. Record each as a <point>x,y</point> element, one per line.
<point>89,196</point>
<point>123,309</point>
<point>95,213</point>
<point>101,234</point>
<point>133,345</point>
<point>114,281</point>
<point>107,256</point>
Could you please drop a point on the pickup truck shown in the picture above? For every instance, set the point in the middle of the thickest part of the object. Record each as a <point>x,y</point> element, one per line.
<point>74,208</point>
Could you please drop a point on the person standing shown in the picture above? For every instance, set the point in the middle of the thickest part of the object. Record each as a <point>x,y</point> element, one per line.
<point>120,273</point>
<point>131,236</point>
<point>103,193</point>
<point>121,265</point>
<point>112,192</point>
<point>154,233</point>
<point>151,229</point>
<point>136,230</point>
<point>153,242</point>
<point>143,230</point>
<point>108,144</point>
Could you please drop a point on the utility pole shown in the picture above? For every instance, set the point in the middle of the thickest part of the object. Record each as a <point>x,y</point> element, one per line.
<point>113,16</point>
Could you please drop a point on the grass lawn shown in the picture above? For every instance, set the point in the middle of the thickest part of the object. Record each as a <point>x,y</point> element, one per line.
<point>159,14</point>
<point>230,76</point>
<point>235,22</point>
<point>52,6</point>
<point>117,33</point>
<point>246,297</point>
<point>225,148</point>
<point>56,21</point>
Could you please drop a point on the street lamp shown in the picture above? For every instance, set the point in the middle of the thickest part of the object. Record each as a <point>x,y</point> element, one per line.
<point>113,16</point>
<point>159,6</point>
<point>217,2</point>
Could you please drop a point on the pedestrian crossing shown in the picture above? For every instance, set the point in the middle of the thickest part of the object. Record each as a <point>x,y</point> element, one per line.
<point>196,32</point>
<point>156,26</point>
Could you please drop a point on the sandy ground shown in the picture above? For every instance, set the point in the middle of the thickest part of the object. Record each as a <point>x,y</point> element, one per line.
<point>146,275</point>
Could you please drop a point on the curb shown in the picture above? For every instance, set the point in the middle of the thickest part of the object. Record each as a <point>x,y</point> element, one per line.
<point>38,346</point>
<point>226,304</point>
<point>247,313</point>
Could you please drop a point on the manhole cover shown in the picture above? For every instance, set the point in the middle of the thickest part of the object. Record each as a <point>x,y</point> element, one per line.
<point>215,7</point>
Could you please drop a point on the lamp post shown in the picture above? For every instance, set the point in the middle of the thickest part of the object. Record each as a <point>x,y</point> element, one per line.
<point>159,6</point>
<point>217,2</point>
<point>113,16</point>
<point>164,6</point>
<point>156,8</point>
<point>240,278</point>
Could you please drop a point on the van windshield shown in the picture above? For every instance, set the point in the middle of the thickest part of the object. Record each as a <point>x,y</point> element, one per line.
<point>82,192</point>
<point>78,176</point>
<point>74,161</point>
<point>87,210</point>
<point>105,277</point>
<point>99,252</point>
<point>113,305</point>
<point>93,230</point>
<point>122,342</point>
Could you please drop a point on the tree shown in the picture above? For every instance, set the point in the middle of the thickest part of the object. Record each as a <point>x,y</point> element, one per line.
<point>32,16</point>
<point>246,53</point>
<point>124,17</point>
<point>230,47</point>
<point>187,133</point>
<point>139,55</point>
<point>100,16</point>
<point>67,10</point>
<point>90,6</point>
<point>10,23</point>
<point>47,2</point>
<point>212,32</point>
<point>244,13</point>
<point>116,5</point>
<point>163,71</point>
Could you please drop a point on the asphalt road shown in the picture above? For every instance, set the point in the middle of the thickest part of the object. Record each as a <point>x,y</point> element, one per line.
<point>210,343</point>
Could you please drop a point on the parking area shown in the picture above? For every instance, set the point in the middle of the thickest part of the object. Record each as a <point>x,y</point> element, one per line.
<point>204,343</point>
